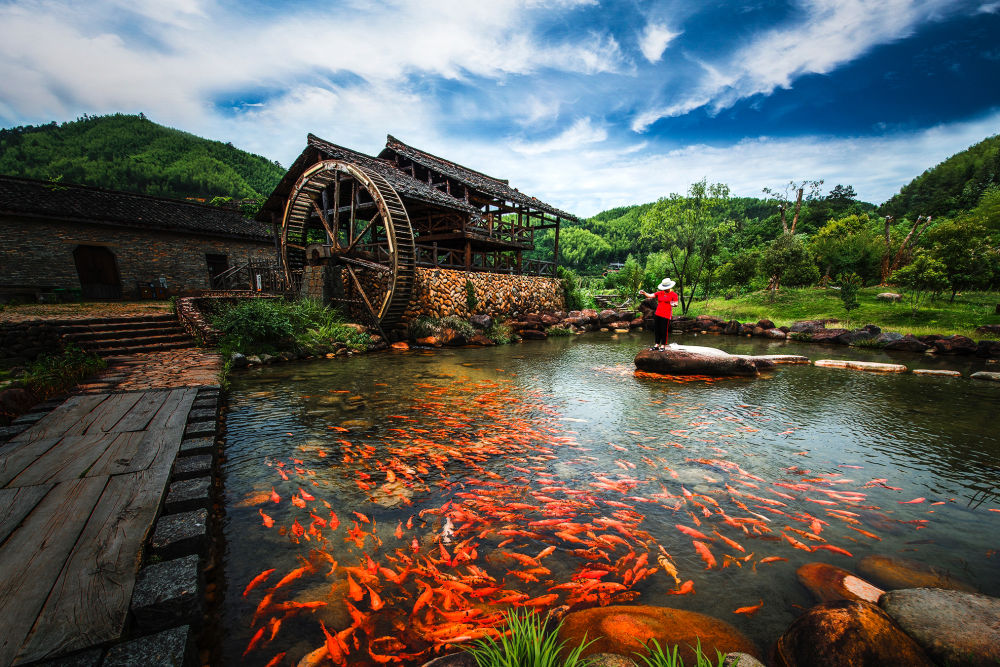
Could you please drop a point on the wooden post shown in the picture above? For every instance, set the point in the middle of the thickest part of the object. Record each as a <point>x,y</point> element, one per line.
<point>555,250</point>
<point>468,256</point>
<point>336,210</point>
<point>325,202</point>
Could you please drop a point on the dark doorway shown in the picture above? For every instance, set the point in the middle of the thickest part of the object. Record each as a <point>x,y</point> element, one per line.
<point>98,272</point>
<point>216,264</point>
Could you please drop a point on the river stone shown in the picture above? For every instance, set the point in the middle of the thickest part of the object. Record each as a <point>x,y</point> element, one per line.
<point>828,582</point>
<point>873,366</point>
<point>678,361</point>
<point>844,633</point>
<point>775,334</point>
<point>892,572</point>
<point>907,343</point>
<point>627,629</point>
<point>462,659</point>
<point>936,371</point>
<point>955,628</point>
<point>741,660</point>
<point>986,375</point>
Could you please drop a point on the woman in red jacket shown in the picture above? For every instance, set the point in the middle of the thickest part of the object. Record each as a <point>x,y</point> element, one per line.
<point>666,298</point>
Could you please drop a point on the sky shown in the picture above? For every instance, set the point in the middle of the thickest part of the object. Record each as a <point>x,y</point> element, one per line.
<point>585,104</point>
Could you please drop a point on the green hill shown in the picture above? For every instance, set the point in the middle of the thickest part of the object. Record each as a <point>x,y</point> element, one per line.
<point>132,153</point>
<point>955,185</point>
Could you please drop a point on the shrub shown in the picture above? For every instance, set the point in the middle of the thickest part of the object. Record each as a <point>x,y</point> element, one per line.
<point>470,296</point>
<point>500,333</point>
<point>558,331</point>
<point>253,323</point>
<point>576,298</point>
<point>53,374</point>
<point>460,325</point>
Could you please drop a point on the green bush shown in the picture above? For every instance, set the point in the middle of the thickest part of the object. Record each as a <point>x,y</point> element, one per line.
<point>266,325</point>
<point>500,333</point>
<point>558,332</point>
<point>53,374</point>
<point>460,325</point>
<point>576,298</point>
<point>470,296</point>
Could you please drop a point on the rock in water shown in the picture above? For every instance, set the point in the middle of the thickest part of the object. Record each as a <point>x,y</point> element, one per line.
<point>829,583</point>
<point>626,629</point>
<point>680,361</point>
<point>847,633</point>
<point>892,573</point>
<point>955,628</point>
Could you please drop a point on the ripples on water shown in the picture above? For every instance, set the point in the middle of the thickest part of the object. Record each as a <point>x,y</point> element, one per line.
<point>431,448</point>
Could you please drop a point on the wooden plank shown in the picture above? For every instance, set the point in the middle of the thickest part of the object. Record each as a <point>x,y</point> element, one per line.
<point>138,418</point>
<point>17,457</point>
<point>69,459</point>
<point>15,504</point>
<point>33,556</point>
<point>166,438</point>
<point>177,401</point>
<point>61,419</point>
<point>89,603</point>
<point>104,416</point>
<point>128,452</point>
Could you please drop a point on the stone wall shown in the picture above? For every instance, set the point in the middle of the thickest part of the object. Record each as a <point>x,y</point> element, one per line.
<point>40,253</point>
<point>23,342</point>
<point>441,292</point>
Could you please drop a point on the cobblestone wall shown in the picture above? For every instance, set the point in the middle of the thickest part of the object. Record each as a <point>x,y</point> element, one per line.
<point>40,253</point>
<point>442,292</point>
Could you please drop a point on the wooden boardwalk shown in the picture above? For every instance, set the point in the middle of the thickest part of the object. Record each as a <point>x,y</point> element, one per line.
<point>79,492</point>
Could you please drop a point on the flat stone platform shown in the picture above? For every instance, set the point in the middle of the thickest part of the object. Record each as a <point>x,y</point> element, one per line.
<point>79,493</point>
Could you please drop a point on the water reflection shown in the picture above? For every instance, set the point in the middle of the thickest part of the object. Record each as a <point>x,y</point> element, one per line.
<point>433,448</point>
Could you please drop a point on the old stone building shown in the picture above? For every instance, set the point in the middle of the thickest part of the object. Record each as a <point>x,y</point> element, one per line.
<point>70,240</point>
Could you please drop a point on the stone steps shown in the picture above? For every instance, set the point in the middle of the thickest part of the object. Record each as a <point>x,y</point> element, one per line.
<point>109,337</point>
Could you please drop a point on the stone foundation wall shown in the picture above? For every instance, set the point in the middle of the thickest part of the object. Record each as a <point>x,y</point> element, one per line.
<point>441,293</point>
<point>40,253</point>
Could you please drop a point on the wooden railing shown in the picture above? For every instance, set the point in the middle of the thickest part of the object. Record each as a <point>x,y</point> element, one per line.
<point>257,277</point>
<point>452,258</point>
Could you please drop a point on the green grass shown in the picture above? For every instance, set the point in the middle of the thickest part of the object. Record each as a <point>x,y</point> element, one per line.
<point>528,642</point>
<point>52,374</point>
<point>658,656</point>
<point>937,316</point>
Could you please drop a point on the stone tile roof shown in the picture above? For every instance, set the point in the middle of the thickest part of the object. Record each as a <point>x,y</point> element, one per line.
<point>320,149</point>
<point>80,203</point>
<point>475,180</point>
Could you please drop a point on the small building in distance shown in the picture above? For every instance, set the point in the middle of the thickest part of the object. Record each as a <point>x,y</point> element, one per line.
<point>105,244</point>
<point>377,225</point>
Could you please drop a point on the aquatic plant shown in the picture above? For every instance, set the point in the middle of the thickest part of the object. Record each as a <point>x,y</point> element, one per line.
<point>657,656</point>
<point>527,643</point>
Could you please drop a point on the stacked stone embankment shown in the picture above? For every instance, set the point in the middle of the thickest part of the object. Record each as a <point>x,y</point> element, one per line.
<point>442,293</point>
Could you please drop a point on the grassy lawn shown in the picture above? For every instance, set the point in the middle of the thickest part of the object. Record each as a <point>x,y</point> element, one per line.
<point>938,316</point>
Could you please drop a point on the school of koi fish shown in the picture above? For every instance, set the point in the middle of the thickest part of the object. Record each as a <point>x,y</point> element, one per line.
<point>415,536</point>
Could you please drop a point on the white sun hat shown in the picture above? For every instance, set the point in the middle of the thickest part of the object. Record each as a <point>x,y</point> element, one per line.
<point>666,284</point>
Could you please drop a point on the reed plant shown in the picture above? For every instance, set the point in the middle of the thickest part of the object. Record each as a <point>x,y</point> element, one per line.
<point>658,656</point>
<point>527,642</point>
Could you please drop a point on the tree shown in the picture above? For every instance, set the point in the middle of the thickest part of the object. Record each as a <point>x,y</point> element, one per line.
<point>964,250</point>
<point>848,245</point>
<point>739,271</point>
<point>629,279</point>
<point>850,284</point>
<point>788,259</point>
<point>582,249</point>
<point>689,229</point>
<point>783,202</point>
<point>925,274</point>
<point>905,249</point>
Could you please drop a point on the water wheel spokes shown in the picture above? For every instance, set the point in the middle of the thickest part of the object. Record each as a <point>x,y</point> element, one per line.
<point>350,217</point>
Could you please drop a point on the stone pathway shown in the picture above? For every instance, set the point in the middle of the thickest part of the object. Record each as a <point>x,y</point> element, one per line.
<point>185,367</point>
<point>81,311</point>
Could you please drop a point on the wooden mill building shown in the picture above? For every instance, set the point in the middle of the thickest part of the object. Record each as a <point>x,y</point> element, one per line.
<point>374,220</point>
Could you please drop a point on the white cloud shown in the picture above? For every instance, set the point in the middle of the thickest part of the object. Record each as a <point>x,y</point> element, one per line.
<point>579,134</point>
<point>828,34</point>
<point>654,40</point>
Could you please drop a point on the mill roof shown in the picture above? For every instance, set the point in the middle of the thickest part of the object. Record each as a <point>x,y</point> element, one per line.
<point>476,180</point>
<point>317,149</point>
<point>82,203</point>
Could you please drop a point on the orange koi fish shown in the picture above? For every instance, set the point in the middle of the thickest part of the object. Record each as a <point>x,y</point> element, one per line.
<point>268,521</point>
<point>912,502</point>
<point>274,496</point>
<point>276,660</point>
<point>259,579</point>
<point>334,521</point>
<point>836,550</point>
<point>298,502</point>
<point>399,531</point>
<point>795,543</point>
<point>292,576</point>
<point>691,532</point>
<point>771,559</point>
<point>732,544</point>
<point>254,641</point>
<point>376,601</point>
<point>353,589</point>
<point>705,553</point>
<point>749,611</point>
<point>686,587</point>
<point>306,495</point>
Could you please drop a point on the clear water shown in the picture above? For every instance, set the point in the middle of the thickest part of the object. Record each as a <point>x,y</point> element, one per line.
<point>564,429</point>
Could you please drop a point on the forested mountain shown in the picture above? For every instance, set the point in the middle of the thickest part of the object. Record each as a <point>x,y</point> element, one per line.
<point>132,153</point>
<point>955,185</point>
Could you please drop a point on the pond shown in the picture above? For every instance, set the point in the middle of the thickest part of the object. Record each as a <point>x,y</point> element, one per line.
<point>393,504</point>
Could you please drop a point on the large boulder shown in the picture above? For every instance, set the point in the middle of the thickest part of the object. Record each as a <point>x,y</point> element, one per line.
<point>956,345</point>
<point>775,334</point>
<point>989,329</point>
<point>679,361</point>
<point>828,583</point>
<point>907,343</point>
<point>452,337</point>
<point>807,326</point>
<point>988,348</point>
<point>627,629</point>
<point>765,324</point>
<point>889,296</point>
<point>953,627</point>
<point>892,572</point>
<point>887,337</point>
<point>830,336</point>
<point>847,633</point>
<point>481,321</point>
<point>533,334</point>
<point>986,375</point>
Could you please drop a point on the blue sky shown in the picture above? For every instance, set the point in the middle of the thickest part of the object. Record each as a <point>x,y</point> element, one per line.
<point>585,104</point>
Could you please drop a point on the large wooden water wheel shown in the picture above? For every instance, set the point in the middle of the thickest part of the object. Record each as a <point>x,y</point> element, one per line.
<point>349,217</point>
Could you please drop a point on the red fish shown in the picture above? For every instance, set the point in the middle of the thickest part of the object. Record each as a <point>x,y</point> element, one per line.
<point>691,532</point>
<point>274,496</point>
<point>259,579</point>
<point>268,521</point>
<point>686,587</point>
<point>705,553</point>
<point>749,611</point>
<point>306,495</point>
<point>254,641</point>
<point>912,502</point>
